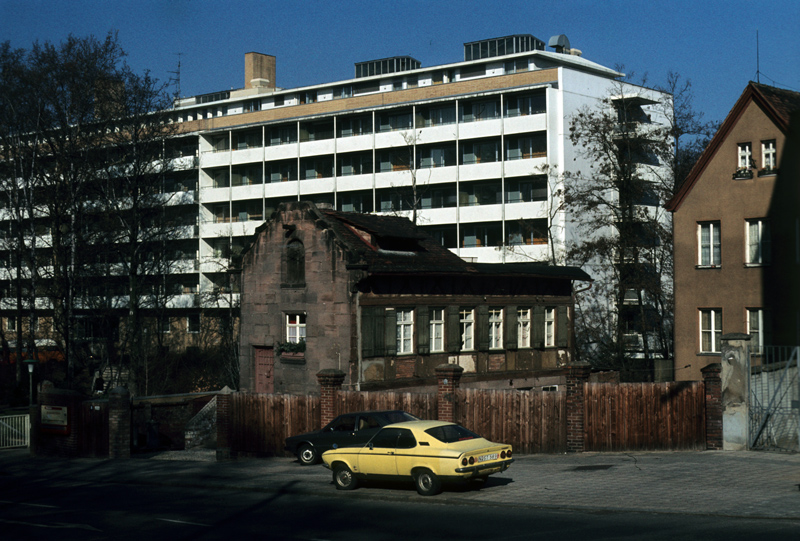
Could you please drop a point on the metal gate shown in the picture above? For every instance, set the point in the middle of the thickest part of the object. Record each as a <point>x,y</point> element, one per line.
<point>775,399</point>
<point>14,431</point>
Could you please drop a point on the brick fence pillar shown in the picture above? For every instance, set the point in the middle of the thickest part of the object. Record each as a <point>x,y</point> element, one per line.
<point>119,423</point>
<point>224,411</point>
<point>330,382</point>
<point>713,384</point>
<point>448,377</point>
<point>577,376</point>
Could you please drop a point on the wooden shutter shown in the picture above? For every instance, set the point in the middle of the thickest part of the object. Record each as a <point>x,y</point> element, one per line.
<point>390,332</point>
<point>510,330</point>
<point>423,330</point>
<point>537,324</point>
<point>482,327</point>
<point>562,332</point>
<point>372,333</point>
<point>452,329</point>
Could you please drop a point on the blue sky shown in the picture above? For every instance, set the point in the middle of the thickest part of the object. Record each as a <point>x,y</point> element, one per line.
<point>711,42</point>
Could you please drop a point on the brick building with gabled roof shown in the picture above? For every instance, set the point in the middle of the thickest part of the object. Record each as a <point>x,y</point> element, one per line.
<point>737,233</point>
<point>377,298</point>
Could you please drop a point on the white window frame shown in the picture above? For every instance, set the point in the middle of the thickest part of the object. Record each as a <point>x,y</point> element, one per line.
<point>713,244</point>
<point>755,328</point>
<point>466,320</point>
<point>523,327</point>
<point>712,332</point>
<point>758,242</point>
<point>549,327</point>
<point>295,327</point>
<point>769,156</point>
<point>745,154</point>
<point>495,328</point>
<point>405,331</point>
<point>437,330</point>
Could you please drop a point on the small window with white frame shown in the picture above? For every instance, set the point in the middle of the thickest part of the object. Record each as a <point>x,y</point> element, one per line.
<point>549,327</point>
<point>405,331</point>
<point>769,157</point>
<point>436,330</point>
<point>495,328</point>
<point>295,328</point>
<point>710,330</point>
<point>759,245</point>
<point>466,319</point>
<point>523,327</point>
<point>709,246</point>
<point>745,154</point>
<point>757,329</point>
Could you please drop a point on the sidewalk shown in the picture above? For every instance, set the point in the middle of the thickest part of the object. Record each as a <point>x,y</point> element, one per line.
<point>741,484</point>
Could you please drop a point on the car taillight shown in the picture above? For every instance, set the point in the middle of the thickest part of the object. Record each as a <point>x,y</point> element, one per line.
<point>502,454</point>
<point>472,460</point>
<point>464,461</point>
<point>508,454</point>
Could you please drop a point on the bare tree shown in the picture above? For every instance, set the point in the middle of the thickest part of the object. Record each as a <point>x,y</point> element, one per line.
<point>623,234</point>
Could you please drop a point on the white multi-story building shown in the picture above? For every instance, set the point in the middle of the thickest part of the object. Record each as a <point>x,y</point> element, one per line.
<point>476,149</point>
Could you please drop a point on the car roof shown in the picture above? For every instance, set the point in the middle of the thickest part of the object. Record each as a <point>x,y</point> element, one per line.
<point>419,425</point>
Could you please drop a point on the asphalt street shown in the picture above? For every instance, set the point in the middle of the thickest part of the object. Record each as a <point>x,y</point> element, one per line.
<point>715,483</point>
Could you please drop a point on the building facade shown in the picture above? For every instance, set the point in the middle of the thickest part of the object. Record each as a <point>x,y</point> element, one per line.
<point>378,299</point>
<point>473,151</point>
<point>736,234</point>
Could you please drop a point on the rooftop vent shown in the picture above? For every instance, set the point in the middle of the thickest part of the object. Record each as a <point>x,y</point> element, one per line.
<point>561,44</point>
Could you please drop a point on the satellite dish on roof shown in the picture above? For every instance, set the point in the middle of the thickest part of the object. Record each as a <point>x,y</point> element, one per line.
<point>560,43</point>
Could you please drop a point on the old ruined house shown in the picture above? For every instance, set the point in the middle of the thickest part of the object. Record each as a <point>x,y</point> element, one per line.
<point>378,299</point>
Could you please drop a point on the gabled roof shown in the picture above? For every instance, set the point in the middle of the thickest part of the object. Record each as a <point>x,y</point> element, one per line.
<point>777,103</point>
<point>394,245</point>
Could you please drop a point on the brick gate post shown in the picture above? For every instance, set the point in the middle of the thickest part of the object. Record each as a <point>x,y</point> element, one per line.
<point>330,382</point>
<point>713,383</point>
<point>448,376</point>
<point>119,423</point>
<point>577,376</point>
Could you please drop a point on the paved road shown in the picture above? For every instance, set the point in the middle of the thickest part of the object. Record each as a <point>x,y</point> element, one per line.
<point>735,484</point>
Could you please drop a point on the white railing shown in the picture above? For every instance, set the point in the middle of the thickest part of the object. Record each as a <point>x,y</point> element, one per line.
<point>14,431</point>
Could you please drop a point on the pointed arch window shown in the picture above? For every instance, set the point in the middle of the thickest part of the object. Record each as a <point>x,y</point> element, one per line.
<point>295,264</point>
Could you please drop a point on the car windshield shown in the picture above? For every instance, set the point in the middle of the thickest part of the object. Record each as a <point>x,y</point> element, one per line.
<point>451,433</point>
<point>399,417</point>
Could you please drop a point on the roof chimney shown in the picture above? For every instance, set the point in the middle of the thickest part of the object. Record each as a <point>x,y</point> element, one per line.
<point>259,70</point>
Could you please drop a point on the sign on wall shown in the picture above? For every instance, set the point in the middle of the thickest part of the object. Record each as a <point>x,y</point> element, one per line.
<point>55,420</point>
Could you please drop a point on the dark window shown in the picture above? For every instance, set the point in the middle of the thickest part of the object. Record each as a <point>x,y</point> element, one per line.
<point>345,423</point>
<point>295,264</point>
<point>386,438</point>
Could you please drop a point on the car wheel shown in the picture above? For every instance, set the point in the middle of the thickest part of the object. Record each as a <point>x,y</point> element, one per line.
<point>343,478</point>
<point>307,455</point>
<point>427,483</point>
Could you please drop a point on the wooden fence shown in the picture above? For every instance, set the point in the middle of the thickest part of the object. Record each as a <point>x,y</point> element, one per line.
<point>618,417</point>
<point>644,416</point>
<point>261,422</point>
<point>531,421</point>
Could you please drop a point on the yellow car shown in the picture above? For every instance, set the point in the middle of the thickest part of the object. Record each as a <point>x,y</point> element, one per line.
<point>428,452</point>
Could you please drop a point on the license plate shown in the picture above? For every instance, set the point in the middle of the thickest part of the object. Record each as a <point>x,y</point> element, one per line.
<point>484,458</point>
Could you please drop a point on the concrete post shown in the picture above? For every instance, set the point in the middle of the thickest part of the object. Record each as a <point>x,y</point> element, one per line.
<point>448,376</point>
<point>735,388</point>
<point>713,385</point>
<point>330,382</point>
<point>577,376</point>
<point>119,423</point>
<point>224,406</point>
